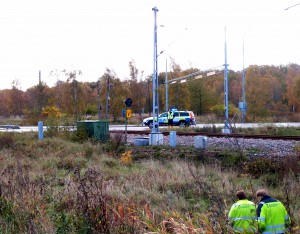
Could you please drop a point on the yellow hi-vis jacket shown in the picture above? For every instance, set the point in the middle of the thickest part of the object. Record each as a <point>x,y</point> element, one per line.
<point>272,216</point>
<point>170,115</point>
<point>242,216</point>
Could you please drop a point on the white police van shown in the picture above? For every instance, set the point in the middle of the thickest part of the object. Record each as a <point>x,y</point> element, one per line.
<point>181,118</point>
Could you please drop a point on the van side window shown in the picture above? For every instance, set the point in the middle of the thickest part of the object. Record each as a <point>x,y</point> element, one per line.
<point>184,114</point>
<point>175,114</point>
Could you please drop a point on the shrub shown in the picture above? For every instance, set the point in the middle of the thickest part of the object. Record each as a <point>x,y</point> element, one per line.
<point>81,135</point>
<point>116,144</point>
<point>6,141</point>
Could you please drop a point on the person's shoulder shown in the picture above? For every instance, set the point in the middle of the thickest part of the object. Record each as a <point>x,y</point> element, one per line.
<point>251,202</point>
<point>246,201</point>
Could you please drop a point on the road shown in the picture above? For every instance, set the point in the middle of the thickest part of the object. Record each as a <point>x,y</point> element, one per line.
<point>139,128</point>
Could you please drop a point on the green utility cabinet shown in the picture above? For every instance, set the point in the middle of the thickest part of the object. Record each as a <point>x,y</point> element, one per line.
<point>95,128</point>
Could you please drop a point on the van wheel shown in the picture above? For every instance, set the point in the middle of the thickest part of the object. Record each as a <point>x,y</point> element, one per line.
<point>150,125</point>
<point>182,124</point>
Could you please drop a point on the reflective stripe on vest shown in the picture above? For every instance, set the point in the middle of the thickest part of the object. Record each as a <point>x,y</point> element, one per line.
<point>242,218</point>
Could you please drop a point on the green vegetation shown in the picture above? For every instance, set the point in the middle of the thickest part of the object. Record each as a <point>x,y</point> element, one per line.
<point>60,185</point>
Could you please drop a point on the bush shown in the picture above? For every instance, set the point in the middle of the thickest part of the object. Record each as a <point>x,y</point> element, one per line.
<point>6,141</point>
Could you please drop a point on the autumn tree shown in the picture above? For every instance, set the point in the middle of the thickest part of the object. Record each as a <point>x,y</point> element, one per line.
<point>36,99</point>
<point>259,92</point>
<point>112,93</point>
<point>291,94</point>
<point>4,108</point>
<point>137,89</point>
<point>74,91</point>
<point>119,93</point>
<point>15,99</point>
<point>147,87</point>
<point>179,96</point>
<point>202,98</point>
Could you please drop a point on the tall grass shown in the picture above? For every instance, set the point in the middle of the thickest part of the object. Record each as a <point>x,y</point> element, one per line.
<point>60,186</point>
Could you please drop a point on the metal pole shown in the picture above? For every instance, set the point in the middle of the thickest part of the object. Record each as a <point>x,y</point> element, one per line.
<point>107,98</point>
<point>167,87</point>
<point>98,89</point>
<point>155,108</point>
<point>226,127</point>
<point>126,122</point>
<point>243,88</point>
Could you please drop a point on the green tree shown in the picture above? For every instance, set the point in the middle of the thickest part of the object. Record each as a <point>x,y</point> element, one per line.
<point>202,99</point>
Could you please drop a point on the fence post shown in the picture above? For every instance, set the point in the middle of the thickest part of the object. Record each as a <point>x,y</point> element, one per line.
<point>40,130</point>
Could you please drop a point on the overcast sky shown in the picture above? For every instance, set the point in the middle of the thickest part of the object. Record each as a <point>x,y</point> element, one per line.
<point>93,35</point>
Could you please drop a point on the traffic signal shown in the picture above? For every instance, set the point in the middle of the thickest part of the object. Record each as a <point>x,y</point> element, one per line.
<point>128,102</point>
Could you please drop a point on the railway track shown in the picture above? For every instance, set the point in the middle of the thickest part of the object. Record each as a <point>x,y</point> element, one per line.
<point>219,135</point>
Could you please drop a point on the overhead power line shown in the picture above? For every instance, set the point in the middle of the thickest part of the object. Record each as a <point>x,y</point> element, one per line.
<point>198,75</point>
<point>292,6</point>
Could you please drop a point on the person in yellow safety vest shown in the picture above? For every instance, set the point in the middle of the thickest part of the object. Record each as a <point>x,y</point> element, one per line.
<point>170,118</point>
<point>272,216</point>
<point>242,216</point>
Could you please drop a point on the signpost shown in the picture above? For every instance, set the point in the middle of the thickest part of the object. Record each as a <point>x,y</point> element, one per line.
<point>128,103</point>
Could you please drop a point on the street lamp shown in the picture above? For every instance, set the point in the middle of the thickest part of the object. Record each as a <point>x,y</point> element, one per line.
<point>156,138</point>
<point>155,108</point>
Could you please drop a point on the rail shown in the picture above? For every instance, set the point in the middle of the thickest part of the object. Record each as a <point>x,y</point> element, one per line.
<point>219,135</point>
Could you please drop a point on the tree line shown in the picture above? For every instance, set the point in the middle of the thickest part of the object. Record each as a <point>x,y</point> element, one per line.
<point>271,92</point>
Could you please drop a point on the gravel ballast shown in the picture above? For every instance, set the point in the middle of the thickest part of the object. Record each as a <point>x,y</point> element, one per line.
<point>257,147</point>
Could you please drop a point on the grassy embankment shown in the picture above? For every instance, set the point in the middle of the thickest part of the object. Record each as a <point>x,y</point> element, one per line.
<point>67,184</point>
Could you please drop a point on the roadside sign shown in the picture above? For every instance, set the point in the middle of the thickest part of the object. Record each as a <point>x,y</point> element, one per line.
<point>128,113</point>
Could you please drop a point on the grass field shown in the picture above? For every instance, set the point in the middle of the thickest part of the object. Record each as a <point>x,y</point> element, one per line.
<point>69,184</point>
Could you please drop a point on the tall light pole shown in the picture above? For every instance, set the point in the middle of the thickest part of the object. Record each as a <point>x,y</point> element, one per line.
<point>155,107</point>
<point>226,123</point>
<point>156,138</point>
<point>244,106</point>
<point>167,87</point>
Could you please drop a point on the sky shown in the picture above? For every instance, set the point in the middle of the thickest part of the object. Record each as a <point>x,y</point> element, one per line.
<point>93,35</point>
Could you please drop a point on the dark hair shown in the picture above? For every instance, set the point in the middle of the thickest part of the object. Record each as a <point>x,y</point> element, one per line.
<point>240,194</point>
<point>261,193</point>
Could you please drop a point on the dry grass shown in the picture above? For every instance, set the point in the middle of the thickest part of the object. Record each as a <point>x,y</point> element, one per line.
<point>58,186</point>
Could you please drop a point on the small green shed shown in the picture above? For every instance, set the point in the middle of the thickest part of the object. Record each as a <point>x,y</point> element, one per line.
<point>98,129</point>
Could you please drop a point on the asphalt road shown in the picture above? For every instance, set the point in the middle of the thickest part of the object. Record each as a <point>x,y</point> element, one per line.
<point>138,128</point>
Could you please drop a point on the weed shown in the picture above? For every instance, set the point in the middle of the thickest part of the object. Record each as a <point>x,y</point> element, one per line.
<point>116,144</point>
<point>88,151</point>
<point>126,158</point>
<point>58,186</point>
<point>6,140</point>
